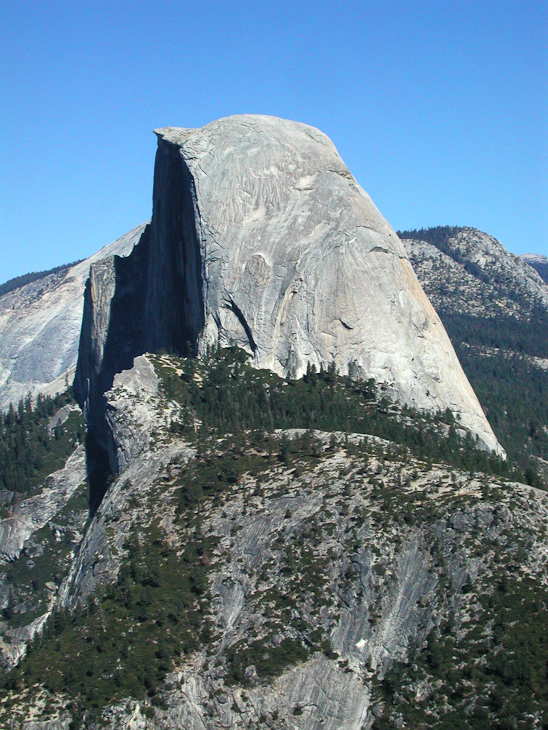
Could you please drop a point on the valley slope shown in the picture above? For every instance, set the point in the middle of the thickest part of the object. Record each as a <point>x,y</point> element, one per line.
<point>294,578</point>
<point>495,309</point>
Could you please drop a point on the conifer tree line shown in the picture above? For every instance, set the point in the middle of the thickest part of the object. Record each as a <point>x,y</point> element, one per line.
<point>20,281</point>
<point>224,394</point>
<point>498,354</point>
<point>28,452</point>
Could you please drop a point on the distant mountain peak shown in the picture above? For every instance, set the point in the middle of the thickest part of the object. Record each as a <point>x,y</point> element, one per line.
<point>539,262</point>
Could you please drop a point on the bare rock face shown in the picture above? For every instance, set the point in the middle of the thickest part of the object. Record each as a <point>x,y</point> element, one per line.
<point>298,266</point>
<point>131,413</point>
<point>538,262</point>
<point>261,237</point>
<point>29,515</point>
<point>41,533</point>
<point>40,327</point>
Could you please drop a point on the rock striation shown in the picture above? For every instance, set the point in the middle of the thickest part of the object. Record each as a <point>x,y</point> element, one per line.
<point>40,327</point>
<point>261,237</point>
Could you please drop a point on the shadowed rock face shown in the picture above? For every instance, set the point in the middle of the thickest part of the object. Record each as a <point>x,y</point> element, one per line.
<point>145,302</point>
<point>174,308</point>
<point>40,327</point>
<point>112,329</point>
<point>261,237</point>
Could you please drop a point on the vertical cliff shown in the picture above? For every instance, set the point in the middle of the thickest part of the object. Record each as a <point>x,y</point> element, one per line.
<point>174,304</point>
<point>40,327</point>
<point>148,301</point>
<point>112,331</point>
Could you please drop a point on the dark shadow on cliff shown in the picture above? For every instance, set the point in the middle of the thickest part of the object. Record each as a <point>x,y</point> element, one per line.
<point>125,280</point>
<point>99,472</point>
<point>147,301</point>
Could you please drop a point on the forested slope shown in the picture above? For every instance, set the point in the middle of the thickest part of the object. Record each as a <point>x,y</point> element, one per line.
<point>495,310</point>
<point>281,554</point>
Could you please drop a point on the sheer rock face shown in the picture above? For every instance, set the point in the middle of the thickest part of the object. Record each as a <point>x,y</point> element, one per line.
<point>297,265</point>
<point>40,327</point>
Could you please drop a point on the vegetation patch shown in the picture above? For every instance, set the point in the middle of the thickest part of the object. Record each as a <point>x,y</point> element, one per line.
<point>28,453</point>
<point>489,673</point>
<point>20,281</point>
<point>269,660</point>
<point>125,639</point>
<point>225,394</point>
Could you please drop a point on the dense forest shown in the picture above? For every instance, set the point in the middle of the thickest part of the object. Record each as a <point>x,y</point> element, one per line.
<point>225,393</point>
<point>234,397</point>
<point>514,395</point>
<point>29,448</point>
<point>438,236</point>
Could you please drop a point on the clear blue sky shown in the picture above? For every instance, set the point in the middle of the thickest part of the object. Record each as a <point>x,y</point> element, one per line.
<point>439,107</point>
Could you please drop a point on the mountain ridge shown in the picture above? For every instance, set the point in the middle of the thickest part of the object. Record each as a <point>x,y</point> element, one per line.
<point>495,309</point>
<point>539,262</point>
<point>40,326</point>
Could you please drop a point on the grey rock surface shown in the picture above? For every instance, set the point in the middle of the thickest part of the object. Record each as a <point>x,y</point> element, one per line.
<point>372,581</point>
<point>30,514</point>
<point>131,414</point>
<point>38,531</point>
<point>392,599</point>
<point>40,327</point>
<point>538,262</point>
<point>61,723</point>
<point>300,267</point>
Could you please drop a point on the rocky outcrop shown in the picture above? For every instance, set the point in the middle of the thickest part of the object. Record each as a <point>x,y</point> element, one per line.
<point>112,329</point>
<point>40,327</point>
<point>131,413</point>
<point>31,514</point>
<point>37,544</point>
<point>261,237</point>
<point>538,262</point>
<point>475,275</point>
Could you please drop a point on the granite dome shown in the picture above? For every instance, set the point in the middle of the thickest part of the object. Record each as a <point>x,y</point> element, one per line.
<point>298,265</point>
